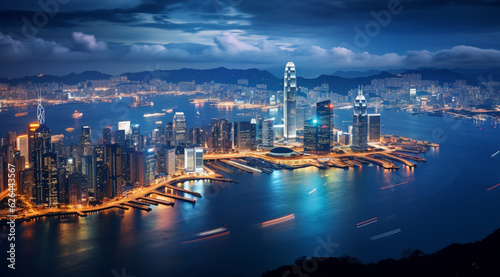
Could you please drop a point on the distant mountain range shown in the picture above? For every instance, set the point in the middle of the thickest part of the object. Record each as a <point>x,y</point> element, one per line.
<point>340,84</point>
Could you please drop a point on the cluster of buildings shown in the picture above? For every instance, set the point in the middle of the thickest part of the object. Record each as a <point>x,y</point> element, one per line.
<point>105,163</point>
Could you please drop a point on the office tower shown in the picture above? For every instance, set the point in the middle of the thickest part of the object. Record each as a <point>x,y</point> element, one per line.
<point>360,122</point>
<point>49,178</point>
<point>374,127</point>
<point>31,141</point>
<point>345,139</point>
<point>244,136</point>
<point>179,129</point>
<point>42,146</point>
<point>220,130</point>
<point>179,158</point>
<point>106,136</point>
<point>254,134</point>
<point>289,108</point>
<point>169,134</point>
<point>310,135</point>
<point>27,181</point>
<point>100,174</point>
<point>114,163</point>
<point>324,117</point>
<point>22,144</point>
<point>125,126</point>
<point>170,161</point>
<point>77,189</point>
<point>196,136</point>
<point>137,168</point>
<point>19,164</point>
<point>193,160</point>
<point>85,140</point>
<point>136,137</point>
<point>268,133</point>
<point>62,181</point>
<point>149,166</point>
<point>120,138</point>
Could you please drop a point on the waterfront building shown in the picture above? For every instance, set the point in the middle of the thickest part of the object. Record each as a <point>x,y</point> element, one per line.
<point>290,103</point>
<point>360,122</point>
<point>193,160</point>
<point>374,127</point>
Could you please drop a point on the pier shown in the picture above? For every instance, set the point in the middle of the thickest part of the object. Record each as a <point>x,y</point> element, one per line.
<point>193,201</point>
<point>156,201</point>
<point>398,159</point>
<point>184,190</point>
<point>140,207</point>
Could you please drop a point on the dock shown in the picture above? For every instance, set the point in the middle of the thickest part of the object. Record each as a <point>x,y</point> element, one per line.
<point>157,201</point>
<point>410,157</point>
<point>384,164</point>
<point>193,201</point>
<point>139,202</point>
<point>398,159</point>
<point>81,214</point>
<point>184,190</point>
<point>145,200</point>
<point>140,207</point>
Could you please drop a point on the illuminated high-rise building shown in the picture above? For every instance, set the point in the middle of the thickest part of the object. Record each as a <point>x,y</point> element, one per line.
<point>179,129</point>
<point>22,144</point>
<point>193,160</point>
<point>125,126</point>
<point>290,103</point>
<point>42,146</point>
<point>268,133</point>
<point>374,127</point>
<point>324,116</point>
<point>360,122</point>
<point>149,166</point>
<point>31,141</point>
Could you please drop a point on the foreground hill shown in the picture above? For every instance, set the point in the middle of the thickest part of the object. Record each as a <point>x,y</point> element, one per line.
<point>480,258</point>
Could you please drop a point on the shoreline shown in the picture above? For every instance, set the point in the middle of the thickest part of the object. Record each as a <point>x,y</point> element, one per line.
<point>82,212</point>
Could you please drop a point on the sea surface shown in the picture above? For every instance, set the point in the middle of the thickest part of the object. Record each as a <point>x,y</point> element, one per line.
<point>443,201</point>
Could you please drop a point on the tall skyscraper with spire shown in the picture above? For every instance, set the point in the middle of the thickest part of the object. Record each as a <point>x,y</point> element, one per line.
<point>290,103</point>
<point>40,111</point>
<point>360,122</point>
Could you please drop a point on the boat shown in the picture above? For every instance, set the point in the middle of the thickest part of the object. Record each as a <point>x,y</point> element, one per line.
<point>167,110</point>
<point>153,114</point>
<point>69,129</point>
<point>77,114</point>
<point>198,112</point>
<point>19,114</point>
<point>138,104</point>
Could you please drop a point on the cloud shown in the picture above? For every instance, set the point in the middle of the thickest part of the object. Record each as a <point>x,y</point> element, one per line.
<point>232,49</point>
<point>88,43</point>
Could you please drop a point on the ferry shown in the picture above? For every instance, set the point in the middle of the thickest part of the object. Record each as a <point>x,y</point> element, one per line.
<point>167,110</point>
<point>77,114</point>
<point>153,114</point>
<point>19,114</point>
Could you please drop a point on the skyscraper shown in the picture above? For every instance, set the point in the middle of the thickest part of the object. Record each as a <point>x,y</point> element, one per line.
<point>193,159</point>
<point>179,128</point>
<point>243,136</point>
<point>268,133</point>
<point>115,178</point>
<point>374,127</point>
<point>42,146</point>
<point>290,104</point>
<point>149,166</point>
<point>324,115</point>
<point>360,122</point>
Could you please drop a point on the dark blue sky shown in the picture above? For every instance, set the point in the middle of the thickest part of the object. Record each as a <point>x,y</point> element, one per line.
<point>319,36</point>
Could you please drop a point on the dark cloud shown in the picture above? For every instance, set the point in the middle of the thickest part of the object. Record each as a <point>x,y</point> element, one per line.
<point>253,32</point>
